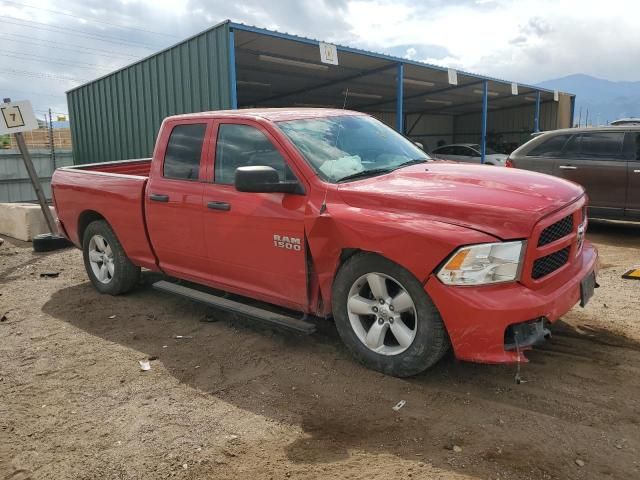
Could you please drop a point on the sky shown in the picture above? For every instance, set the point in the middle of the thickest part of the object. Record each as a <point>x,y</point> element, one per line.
<point>49,47</point>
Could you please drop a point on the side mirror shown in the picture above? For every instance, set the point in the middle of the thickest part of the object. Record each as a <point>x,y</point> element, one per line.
<point>262,179</point>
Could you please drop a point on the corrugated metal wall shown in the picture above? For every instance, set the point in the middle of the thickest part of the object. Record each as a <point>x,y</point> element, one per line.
<point>15,185</point>
<point>118,116</point>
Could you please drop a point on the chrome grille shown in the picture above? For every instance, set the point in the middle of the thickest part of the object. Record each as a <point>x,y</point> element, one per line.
<point>558,230</point>
<point>550,263</point>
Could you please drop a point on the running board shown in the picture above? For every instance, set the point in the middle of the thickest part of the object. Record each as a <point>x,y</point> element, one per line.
<point>255,313</point>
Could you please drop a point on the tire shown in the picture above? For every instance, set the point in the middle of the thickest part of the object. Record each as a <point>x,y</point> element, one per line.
<point>423,334</point>
<point>114,274</point>
<point>48,242</point>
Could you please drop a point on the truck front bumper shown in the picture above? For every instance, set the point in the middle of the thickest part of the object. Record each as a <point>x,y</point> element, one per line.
<point>477,318</point>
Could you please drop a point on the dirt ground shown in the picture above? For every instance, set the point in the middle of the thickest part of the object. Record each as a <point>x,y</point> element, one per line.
<point>238,400</point>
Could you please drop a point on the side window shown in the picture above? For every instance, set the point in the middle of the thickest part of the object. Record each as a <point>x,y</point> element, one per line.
<point>572,148</point>
<point>602,144</point>
<point>243,146</point>
<point>182,158</point>
<point>551,147</point>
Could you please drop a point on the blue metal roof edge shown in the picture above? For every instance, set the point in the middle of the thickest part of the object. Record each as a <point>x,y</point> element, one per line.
<point>383,56</point>
<point>310,41</point>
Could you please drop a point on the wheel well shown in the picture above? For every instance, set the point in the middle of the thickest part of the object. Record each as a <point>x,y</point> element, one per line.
<point>346,254</point>
<point>85,219</point>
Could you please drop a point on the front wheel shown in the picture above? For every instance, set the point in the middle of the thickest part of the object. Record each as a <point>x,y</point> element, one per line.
<point>106,262</point>
<point>385,317</point>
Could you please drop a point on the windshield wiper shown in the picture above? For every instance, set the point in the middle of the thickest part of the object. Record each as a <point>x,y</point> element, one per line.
<point>411,162</point>
<point>365,173</point>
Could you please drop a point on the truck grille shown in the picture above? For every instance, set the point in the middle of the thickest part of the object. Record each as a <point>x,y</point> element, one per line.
<point>556,231</point>
<point>545,265</point>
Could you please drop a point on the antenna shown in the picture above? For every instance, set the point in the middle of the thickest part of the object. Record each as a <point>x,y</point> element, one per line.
<point>323,207</point>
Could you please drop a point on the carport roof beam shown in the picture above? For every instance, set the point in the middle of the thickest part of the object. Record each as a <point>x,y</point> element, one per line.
<point>424,94</point>
<point>328,84</point>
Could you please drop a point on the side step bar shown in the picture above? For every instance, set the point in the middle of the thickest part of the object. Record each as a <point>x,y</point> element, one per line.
<point>255,313</point>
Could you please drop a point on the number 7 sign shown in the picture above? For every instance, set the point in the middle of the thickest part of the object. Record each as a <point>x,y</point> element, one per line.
<point>17,117</point>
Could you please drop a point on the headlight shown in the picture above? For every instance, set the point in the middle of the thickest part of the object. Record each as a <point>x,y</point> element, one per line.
<point>483,264</point>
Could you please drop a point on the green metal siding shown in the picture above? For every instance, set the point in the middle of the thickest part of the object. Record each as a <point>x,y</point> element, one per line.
<point>118,116</point>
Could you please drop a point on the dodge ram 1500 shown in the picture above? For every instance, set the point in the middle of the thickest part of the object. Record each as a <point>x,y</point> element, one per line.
<point>331,213</point>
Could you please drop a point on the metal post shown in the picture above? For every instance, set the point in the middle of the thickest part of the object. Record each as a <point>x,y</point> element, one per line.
<point>485,108</point>
<point>52,146</point>
<point>573,110</point>
<point>536,116</point>
<point>232,71</point>
<point>35,181</point>
<point>400,99</point>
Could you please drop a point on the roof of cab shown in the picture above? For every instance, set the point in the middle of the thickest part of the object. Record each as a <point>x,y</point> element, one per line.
<point>271,114</point>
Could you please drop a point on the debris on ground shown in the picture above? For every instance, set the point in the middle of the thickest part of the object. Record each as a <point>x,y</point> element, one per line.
<point>144,365</point>
<point>399,405</point>
<point>49,274</point>
<point>457,448</point>
<point>1,241</point>
<point>579,462</point>
<point>179,337</point>
<point>209,319</point>
<point>3,318</point>
<point>111,317</point>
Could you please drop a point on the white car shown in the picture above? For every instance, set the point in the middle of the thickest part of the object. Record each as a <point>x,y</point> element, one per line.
<point>468,153</point>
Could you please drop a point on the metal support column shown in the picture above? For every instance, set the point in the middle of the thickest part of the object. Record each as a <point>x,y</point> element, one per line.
<point>400,99</point>
<point>573,110</point>
<point>536,117</point>
<point>485,108</point>
<point>232,70</point>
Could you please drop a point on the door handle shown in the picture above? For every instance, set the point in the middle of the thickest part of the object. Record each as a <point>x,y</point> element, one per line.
<point>219,206</point>
<point>159,197</point>
<point>567,167</point>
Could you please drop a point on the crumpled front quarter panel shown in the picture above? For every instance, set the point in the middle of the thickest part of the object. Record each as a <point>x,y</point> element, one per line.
<point>408,239</point>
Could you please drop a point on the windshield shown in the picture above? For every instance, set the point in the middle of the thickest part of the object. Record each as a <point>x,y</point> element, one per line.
<point>350,146</point>
<point>487,151</point>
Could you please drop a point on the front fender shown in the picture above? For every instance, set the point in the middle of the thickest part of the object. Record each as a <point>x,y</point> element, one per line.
<point>411,240</point>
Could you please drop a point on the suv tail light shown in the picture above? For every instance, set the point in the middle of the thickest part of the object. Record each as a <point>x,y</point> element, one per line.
<point>509,163</point>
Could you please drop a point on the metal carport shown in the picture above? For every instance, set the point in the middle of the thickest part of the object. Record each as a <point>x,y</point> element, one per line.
<point>232,65</point>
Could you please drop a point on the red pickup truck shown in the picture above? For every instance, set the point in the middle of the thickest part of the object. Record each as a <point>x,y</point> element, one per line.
<point>333,214</point>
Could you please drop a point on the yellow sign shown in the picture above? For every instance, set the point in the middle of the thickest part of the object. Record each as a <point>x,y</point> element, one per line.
<point>632,274</point>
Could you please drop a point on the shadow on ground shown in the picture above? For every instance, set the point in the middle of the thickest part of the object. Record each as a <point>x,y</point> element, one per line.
<point>581,396</point>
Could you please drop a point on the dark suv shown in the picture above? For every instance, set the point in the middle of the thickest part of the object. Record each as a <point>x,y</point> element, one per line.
<point>604,160</point>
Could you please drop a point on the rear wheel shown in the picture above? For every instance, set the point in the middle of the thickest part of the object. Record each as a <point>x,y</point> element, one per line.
<point>106,262</point>
<point>385,317</point>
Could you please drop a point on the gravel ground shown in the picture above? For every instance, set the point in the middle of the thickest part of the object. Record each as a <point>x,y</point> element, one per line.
<point>238,400</point>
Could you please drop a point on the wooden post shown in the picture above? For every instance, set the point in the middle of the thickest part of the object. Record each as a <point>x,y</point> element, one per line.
<point>35,181</point>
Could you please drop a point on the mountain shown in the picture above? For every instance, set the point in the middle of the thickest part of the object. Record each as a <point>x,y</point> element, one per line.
<point>606,100</point>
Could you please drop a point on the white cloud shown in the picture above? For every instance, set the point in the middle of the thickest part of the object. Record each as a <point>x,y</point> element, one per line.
<point>522,40</point>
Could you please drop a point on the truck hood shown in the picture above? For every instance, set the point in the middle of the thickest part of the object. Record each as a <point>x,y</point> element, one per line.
<point>503,202</point>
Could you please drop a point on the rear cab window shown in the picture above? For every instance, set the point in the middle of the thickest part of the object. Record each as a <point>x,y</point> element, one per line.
<point>184,150</point>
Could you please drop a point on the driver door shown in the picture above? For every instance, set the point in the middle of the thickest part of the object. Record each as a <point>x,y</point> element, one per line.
<point>255,241</point>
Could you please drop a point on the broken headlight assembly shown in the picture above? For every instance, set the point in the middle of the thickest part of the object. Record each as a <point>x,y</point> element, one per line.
<point>483,264</point>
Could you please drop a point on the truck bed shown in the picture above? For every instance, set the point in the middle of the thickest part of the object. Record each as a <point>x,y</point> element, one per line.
<point>113,191</point>
<point>139,167</point>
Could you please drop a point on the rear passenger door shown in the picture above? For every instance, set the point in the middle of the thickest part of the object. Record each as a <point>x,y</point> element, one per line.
<point>597,161</point>
<point>255,241</point>
<point>173,203</point>
<point>633,177</point>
